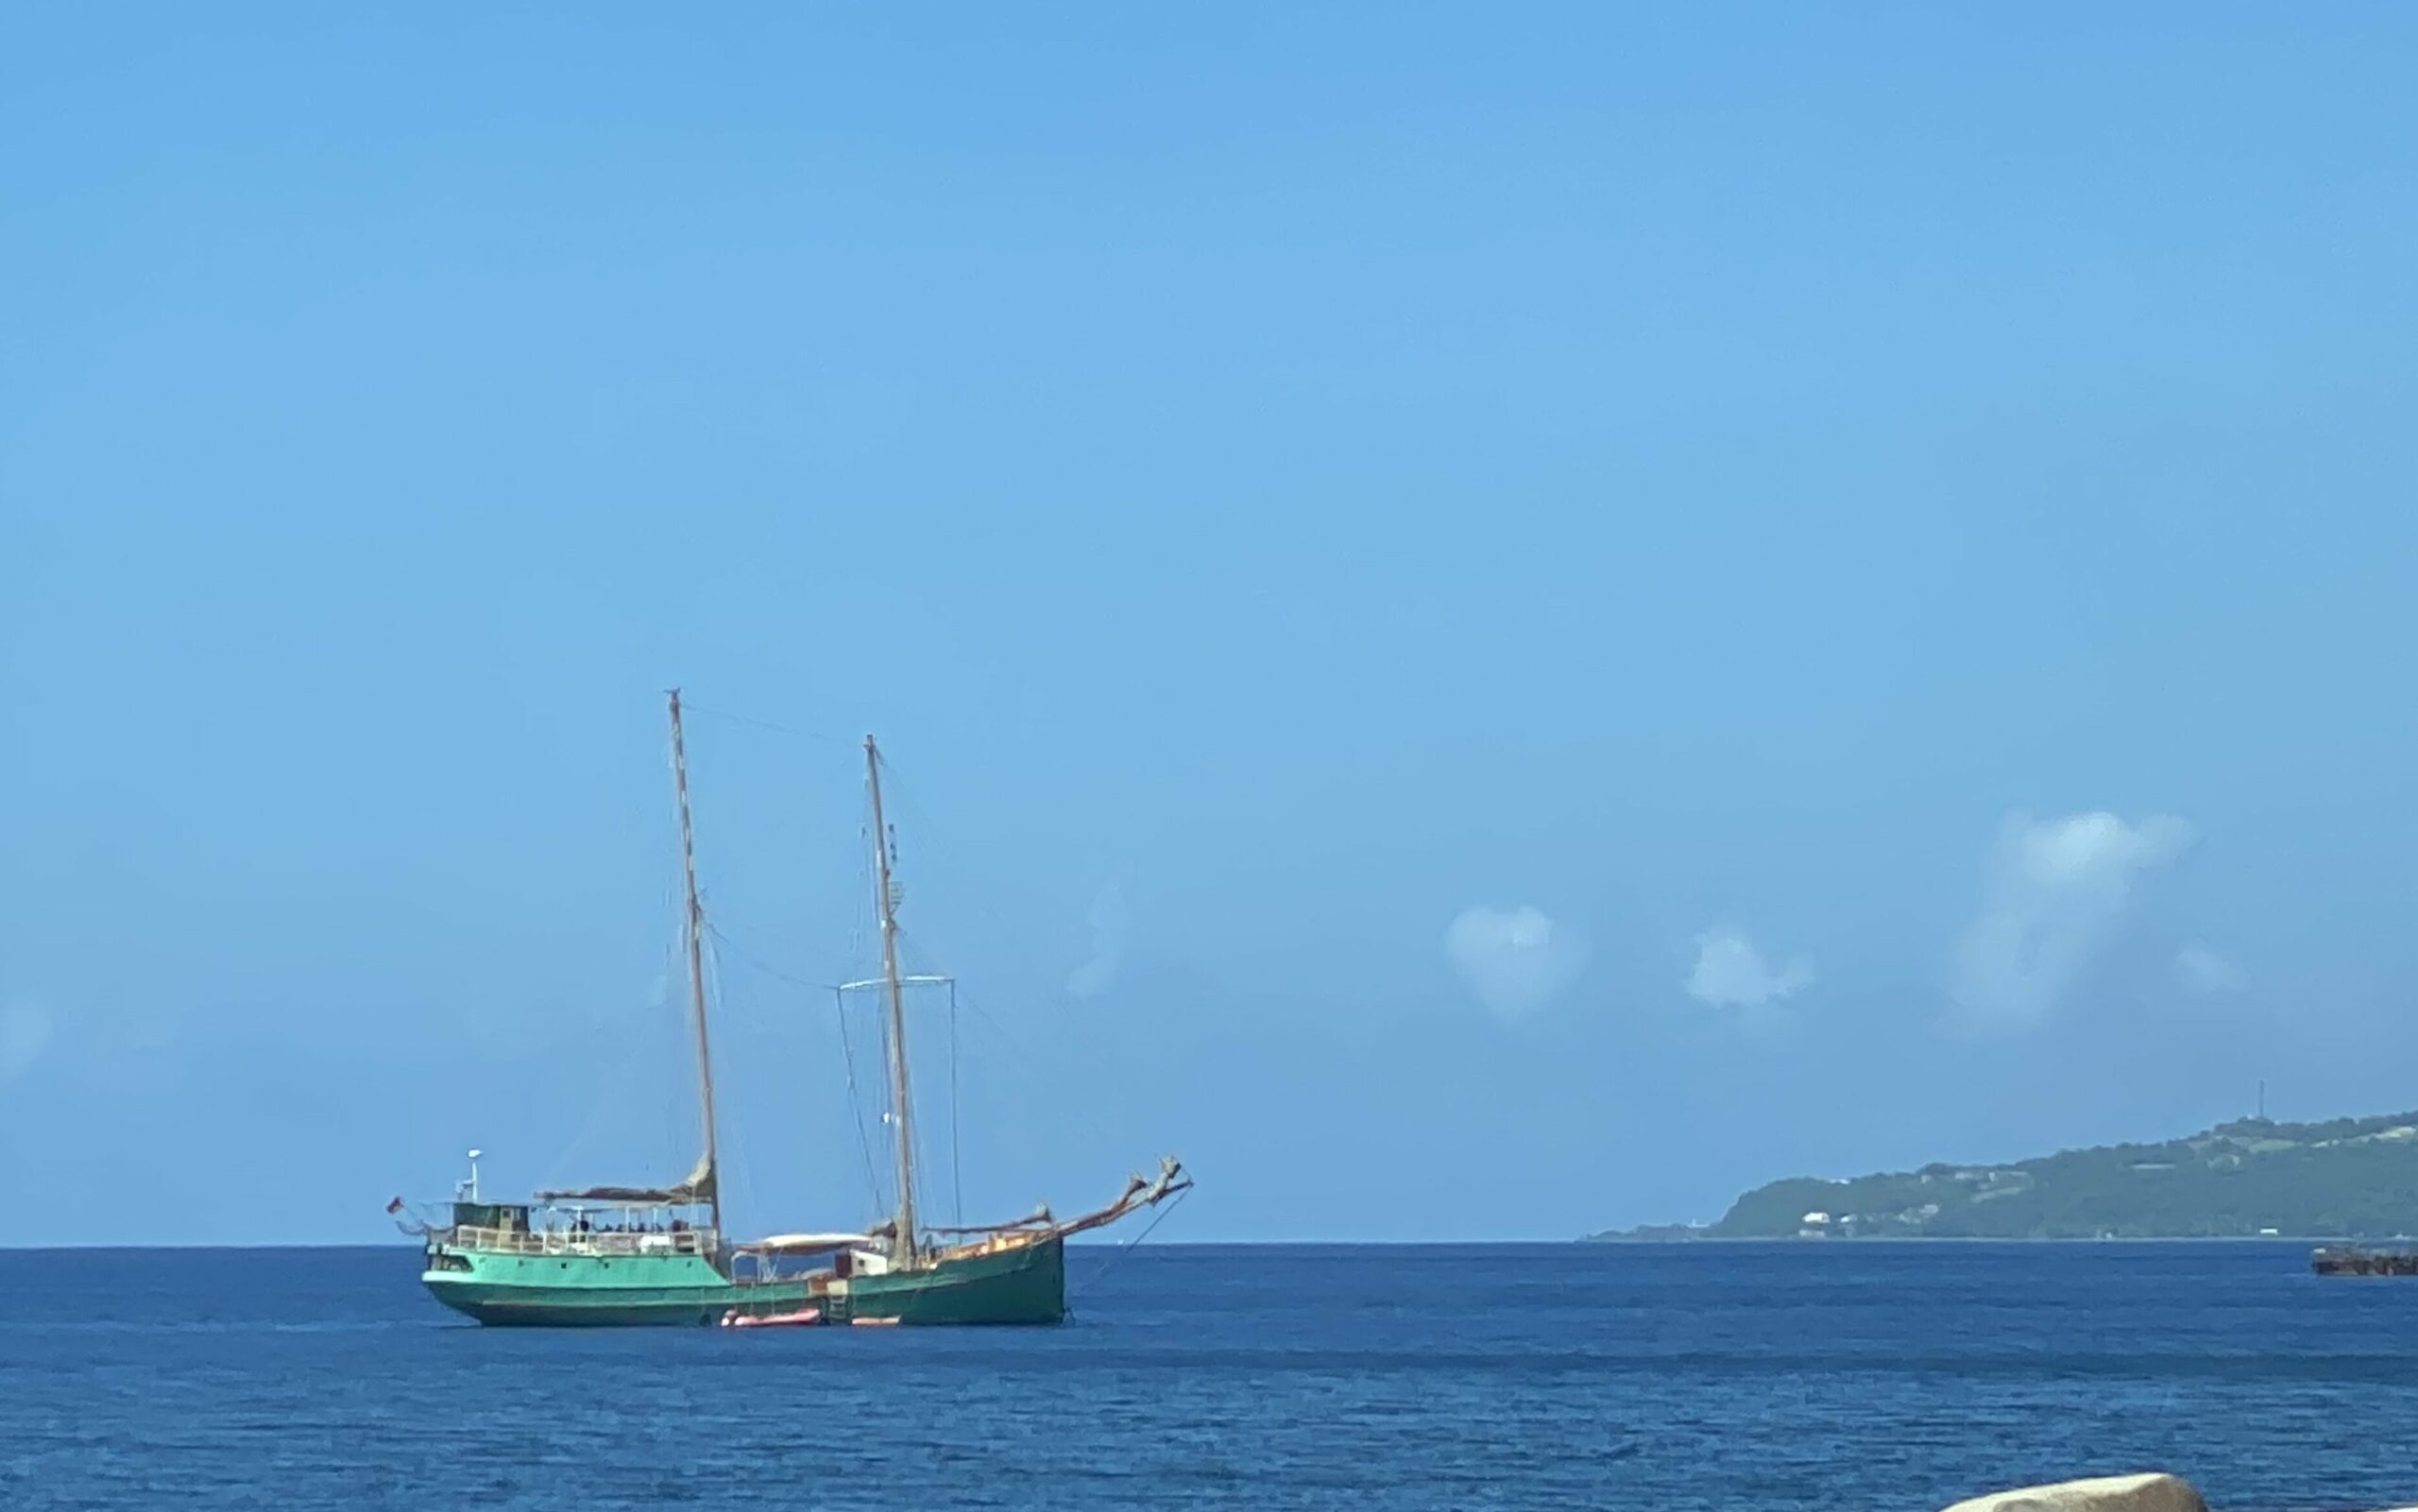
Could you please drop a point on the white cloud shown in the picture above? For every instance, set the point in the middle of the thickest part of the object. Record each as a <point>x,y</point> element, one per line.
<point>2058,892</point>
<point>24,1033</point>
<point>1731,972</point>
<point>1514,959</point>
<point>2204,971</point>
<point>1095,974</point>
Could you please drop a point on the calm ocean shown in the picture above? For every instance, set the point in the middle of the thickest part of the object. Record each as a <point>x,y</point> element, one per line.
<point>1731,1377</point>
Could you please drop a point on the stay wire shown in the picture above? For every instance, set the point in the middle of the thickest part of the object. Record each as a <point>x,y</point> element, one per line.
<point>1038,1076</point>
<point>1127,1248</point>
<point>736,1141</point>
<point>847,1048</point>
<point>765,724</point>
<point>956,1160</point>
<point>725,943</point>
<point>856,1099</point>
<point>1050,1009</point>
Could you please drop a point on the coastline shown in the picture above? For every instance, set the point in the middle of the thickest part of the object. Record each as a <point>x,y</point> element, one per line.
<point>1859,1240</point>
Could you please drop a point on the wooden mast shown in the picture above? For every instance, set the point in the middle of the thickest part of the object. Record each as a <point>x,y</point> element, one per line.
<point>696,929</point>
<point>903,1240</point>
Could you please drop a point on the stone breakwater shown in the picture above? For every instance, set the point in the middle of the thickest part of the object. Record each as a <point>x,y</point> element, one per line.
<point>2113,1493</point>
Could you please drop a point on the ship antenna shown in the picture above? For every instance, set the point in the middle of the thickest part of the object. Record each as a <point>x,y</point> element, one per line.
<point>903,1239</point>
<point>696,922</point>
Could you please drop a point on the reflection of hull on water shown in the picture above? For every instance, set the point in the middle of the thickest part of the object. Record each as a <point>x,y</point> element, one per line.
<point>2347,1260</point>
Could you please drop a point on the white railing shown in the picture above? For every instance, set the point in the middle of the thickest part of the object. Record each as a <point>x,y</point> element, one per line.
<point>574,1242</point>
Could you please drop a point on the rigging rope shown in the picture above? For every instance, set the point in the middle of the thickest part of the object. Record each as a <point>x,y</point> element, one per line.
<point>1125,1248</point>
<point>725,943</point>
<point>847,1048</point>
<point>856,1103</point>
<point>734,1156</point>
<point>611,1098</point>
<point>1044,1014</point>
<point>765,724</point>
<point>1042,1078</point>
<point>956,1165</point>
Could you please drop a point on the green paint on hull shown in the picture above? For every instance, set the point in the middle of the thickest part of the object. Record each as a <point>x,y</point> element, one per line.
<point>1023,1286</point>
<point>597,1291</point>
<point>1027,1284</point>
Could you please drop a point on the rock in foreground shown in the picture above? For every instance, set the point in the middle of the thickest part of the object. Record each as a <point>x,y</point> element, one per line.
<point>2113,1493</point>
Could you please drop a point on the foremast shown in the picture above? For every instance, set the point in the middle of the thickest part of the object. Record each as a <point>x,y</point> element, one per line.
<point>903,1244</point>
<point>708,1173</point>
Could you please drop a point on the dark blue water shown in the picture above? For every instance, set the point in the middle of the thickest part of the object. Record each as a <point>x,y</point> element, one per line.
<point>1731,1377</point>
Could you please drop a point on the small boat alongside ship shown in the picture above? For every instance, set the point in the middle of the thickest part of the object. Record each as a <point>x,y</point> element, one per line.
<point>803,1318</point>
<point>641,1256</point>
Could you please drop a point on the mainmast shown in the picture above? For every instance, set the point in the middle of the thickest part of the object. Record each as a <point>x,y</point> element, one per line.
<point>903,1242</point>
<point>696,929</point>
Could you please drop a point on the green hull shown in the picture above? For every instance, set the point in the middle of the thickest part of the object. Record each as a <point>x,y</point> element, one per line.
<point>1027,1284</point>
<point>593,1291</point>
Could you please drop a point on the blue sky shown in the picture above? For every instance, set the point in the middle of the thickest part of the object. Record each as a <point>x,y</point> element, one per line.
<point>1489,625</point>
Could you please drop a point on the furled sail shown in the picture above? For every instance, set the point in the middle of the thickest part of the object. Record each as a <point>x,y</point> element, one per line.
<point>803,1244</point>
<point>699,1188</point>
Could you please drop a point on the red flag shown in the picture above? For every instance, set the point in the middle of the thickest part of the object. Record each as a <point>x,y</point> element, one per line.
<point>396,1206</point>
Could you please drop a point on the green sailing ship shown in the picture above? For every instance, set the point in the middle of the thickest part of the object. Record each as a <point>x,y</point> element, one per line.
<point>643,1255</point>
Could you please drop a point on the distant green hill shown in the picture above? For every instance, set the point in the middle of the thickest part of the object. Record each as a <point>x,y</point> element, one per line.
<point>2353,1177</point>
